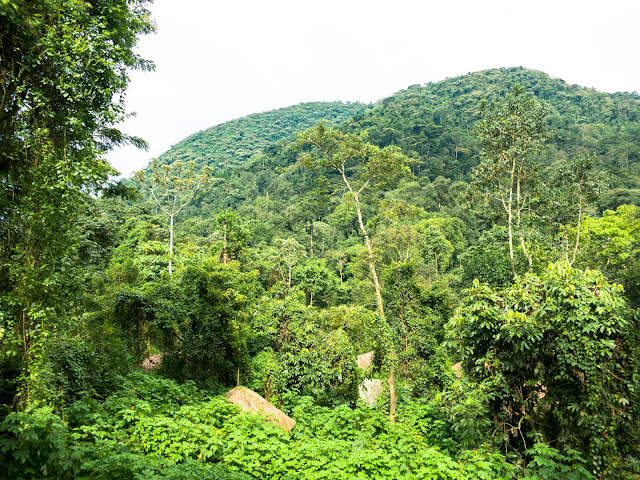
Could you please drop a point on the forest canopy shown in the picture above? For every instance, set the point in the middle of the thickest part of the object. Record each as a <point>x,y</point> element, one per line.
<point>477,238</point>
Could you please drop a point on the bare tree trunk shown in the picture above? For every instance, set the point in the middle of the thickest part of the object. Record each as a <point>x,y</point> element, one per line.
<point>520,203</point>
<point>575,249</point>
<point>170,243</point>
<point>224,256</point>
<point>509,209</point>
<point>393,398</point>
<point>510,226</point>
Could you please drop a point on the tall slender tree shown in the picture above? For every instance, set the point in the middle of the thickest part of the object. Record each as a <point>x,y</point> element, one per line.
<point>580,186</point>
<point>172,188</point>
<point>290,252</point>
<point>510,132</point>
<point>362,167</point>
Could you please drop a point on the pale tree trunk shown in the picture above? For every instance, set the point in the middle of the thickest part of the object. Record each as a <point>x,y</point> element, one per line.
<point>224,255</point>
<point>520,203</point>
<point>393,398</point>
<point>575,249</point>
<point>509,210</point>
<point>170,243</point>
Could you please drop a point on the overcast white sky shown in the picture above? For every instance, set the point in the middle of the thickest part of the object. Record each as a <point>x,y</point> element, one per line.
<point>220,60</point>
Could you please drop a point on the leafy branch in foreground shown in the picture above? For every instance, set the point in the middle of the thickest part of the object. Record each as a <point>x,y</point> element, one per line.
<point>65,67</point>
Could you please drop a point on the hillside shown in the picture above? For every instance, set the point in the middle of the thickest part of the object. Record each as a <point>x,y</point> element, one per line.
<point>281,269</point>
<point>231,143</point>
<point>305,251</point>
<point>493,291</point>
<point>434,122</point>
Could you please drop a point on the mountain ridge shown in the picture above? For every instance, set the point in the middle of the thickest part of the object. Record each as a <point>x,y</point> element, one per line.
<point>452,102</point>
<point>433,123</point>
<point>227,144</point>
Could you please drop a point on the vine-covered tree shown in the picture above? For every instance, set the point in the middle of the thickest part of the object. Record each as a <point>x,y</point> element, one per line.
<point>65,67</point>
<point>558,353</point>
<point>234,235</point>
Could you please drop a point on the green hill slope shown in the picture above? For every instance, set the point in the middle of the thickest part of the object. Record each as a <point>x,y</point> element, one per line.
<point>231,143</point>
<point>434,122</point>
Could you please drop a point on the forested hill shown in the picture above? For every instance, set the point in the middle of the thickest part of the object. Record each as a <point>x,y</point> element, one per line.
<point>501,303</point>
<point>434,122</point>
<point>231,143</point>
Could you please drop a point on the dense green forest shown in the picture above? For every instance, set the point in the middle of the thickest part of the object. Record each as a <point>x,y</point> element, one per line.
<point>480,235</point>
<point>231,144</point>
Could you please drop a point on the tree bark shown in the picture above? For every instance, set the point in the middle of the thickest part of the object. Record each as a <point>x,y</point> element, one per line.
<point>170,243</point>
<point>393,398</point>
<point>575,249</point>
<point>224,256</point>
<point>510,226</point>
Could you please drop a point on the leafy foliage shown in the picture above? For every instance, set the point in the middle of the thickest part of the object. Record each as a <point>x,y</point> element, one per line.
<point>65,68</point>
<point>562,342</point>
<point>488,260</point>
<point>611,245</point>
<point>154,428</point>
<point>272,284</point>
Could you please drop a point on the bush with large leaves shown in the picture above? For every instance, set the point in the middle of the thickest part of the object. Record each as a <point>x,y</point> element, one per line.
<point>560,352</point>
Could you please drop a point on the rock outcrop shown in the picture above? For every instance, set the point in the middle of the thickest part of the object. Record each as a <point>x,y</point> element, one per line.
<point>250,401</point>
<point>151,363</point>
<point>364,360</point>
<point>369,391</point>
